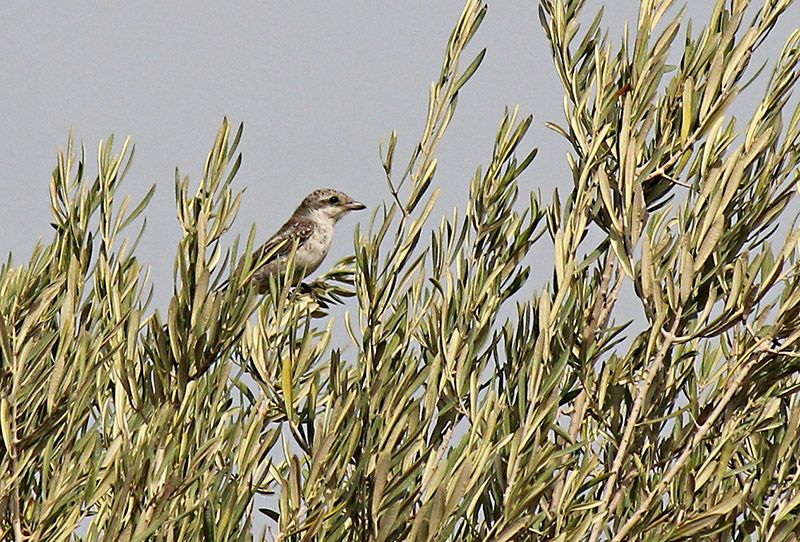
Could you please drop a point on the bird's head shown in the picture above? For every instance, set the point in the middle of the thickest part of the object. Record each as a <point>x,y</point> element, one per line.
<point>328,203</point>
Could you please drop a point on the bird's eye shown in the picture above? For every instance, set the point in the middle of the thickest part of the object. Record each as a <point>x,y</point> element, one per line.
<point>333,200</point>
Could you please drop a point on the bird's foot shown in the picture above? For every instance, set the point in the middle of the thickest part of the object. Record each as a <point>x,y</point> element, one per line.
<point>305,288</point>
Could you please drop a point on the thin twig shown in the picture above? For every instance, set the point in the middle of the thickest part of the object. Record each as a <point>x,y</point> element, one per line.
<point>601,310</point>
<point>13,453</point>
<point>395,193</point>
<point>633,418</point>
<point>644,506</point>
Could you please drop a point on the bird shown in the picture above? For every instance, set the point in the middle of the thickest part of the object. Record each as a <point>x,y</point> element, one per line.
<point>310,229</point>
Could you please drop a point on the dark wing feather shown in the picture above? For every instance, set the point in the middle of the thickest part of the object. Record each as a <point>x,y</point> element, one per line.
<point>280,244</point>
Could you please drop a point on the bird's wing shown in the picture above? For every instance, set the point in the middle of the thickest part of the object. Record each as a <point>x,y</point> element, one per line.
<point>280,245</point>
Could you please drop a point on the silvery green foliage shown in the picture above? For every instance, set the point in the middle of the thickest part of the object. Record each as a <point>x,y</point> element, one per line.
<point>472,403</point>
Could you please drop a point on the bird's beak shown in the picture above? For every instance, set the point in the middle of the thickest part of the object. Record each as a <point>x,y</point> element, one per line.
<point>355,206</point>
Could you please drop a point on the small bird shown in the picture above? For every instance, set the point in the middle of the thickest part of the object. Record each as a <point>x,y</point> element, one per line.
<point>311,228</point>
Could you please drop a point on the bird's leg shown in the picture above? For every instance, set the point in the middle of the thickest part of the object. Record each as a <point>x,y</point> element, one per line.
<point>305,288</point>
<point>314,290</point>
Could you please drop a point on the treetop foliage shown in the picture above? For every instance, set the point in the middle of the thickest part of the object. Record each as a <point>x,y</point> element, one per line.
<point>470,404</point>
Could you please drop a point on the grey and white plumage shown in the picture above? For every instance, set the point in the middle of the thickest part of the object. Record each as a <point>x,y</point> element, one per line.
<point>311,228</point>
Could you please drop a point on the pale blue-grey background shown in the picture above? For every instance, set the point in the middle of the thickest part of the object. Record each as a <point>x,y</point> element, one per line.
<point>317,84</point>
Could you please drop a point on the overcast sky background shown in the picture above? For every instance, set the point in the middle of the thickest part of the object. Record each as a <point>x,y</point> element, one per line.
<point>317,84</point>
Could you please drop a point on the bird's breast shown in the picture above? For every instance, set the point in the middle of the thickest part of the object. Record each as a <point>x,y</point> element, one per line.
<point>314,250</point>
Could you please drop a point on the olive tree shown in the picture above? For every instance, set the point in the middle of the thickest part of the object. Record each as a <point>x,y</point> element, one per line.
<point>470,402</point>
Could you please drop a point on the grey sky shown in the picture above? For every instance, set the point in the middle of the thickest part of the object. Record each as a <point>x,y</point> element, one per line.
<point>317,84</point>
